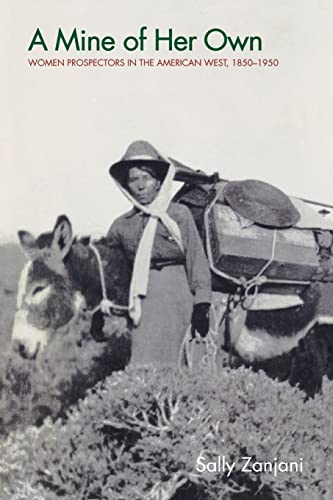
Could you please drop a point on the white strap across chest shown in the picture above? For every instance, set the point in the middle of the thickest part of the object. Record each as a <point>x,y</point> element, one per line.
<point>157,210</point>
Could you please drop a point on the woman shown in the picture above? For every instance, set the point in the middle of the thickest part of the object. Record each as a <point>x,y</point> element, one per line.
<point>170,284</point>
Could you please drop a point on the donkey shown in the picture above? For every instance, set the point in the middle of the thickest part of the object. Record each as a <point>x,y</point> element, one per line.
<point>62,276</point>
<point>293,343</point>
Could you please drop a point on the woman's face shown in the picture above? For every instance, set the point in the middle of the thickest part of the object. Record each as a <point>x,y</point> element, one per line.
<point>142,185</point>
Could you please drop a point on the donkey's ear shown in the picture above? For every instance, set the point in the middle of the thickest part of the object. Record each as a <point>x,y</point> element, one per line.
<point>28,243</point>
<point>62,236</point>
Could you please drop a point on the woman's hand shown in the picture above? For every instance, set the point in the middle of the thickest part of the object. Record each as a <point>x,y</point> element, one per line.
<point>200,319</point>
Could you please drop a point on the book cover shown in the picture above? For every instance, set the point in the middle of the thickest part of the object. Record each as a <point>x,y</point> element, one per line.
<point>241,89</point>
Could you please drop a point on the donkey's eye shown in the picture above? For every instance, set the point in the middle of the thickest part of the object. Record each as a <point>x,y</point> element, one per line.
<point>39,294</point>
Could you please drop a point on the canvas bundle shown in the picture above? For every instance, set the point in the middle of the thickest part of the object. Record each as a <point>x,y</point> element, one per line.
<point>290,257</point>
<point>240,249</point>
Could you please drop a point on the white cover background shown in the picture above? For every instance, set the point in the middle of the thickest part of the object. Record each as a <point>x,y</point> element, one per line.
<point>61,128</point>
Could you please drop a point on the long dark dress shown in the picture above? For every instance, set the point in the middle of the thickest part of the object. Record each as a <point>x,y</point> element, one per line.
<point>177,280</point>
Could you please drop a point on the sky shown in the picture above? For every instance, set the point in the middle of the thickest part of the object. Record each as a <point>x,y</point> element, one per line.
<point>62,127</point>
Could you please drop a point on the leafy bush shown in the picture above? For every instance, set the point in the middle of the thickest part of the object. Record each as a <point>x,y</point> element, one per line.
<point>138,435</point>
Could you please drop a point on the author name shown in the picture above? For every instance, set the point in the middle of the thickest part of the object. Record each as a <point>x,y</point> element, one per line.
<point>247,464</point>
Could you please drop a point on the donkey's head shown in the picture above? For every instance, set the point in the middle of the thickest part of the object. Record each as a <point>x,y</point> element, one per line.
<point>46,299</point>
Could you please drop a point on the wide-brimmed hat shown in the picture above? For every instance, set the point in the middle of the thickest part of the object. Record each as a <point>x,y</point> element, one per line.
<point>137,154</point>
<point>262,203</point>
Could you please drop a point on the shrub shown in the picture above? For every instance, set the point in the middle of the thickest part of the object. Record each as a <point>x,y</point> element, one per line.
<point>138,435</point>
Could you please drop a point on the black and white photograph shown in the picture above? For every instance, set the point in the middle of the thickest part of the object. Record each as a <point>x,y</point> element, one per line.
<point>166,250</point>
